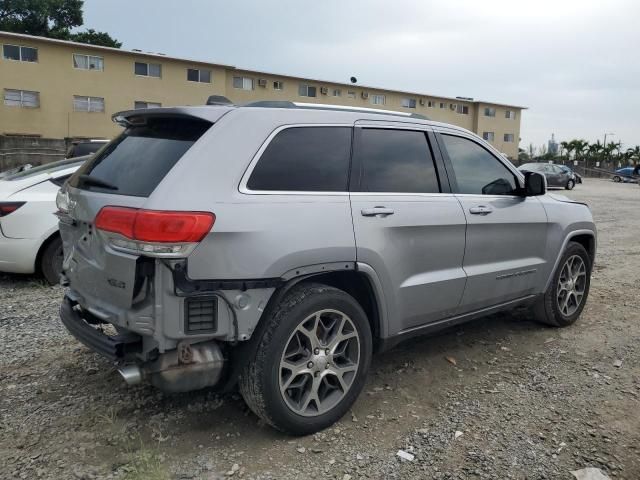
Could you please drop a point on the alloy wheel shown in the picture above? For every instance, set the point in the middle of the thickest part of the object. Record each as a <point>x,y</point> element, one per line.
<point>571,285</point>
<point>319,363</point>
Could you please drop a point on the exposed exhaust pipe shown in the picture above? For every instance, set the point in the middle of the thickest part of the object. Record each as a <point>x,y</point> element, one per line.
<point>188,367</point>
<point>132,374</point>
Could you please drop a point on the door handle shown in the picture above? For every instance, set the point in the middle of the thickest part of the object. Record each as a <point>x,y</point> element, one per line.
<point>379,212</point>
<point>480,210</point>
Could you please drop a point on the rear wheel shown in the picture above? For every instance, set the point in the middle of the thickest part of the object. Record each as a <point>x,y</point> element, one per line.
<point>51,261</point>
<point>570,184</point>
<point>565,298</point>
<point>311,362</point>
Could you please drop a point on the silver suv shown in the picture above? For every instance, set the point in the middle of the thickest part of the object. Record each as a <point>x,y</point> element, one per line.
<point>276,247</point>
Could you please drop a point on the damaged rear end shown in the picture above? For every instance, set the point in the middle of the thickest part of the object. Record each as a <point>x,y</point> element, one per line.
<point>121,258</point>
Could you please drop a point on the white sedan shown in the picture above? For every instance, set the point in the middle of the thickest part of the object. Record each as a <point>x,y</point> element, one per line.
<point>29,238</point>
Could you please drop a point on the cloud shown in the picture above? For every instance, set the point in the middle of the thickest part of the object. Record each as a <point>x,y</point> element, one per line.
<point>573,63</point>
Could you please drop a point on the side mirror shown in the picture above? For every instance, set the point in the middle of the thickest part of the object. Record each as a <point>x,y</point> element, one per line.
<point>534,184</point>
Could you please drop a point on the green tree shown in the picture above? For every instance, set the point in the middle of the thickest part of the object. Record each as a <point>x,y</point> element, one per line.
<point>50,18</point>
<point>633,154</point>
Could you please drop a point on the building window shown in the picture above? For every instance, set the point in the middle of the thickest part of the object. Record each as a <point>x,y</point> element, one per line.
<point>409,102</point>
<point>489,112</point>
<point>21,54</point>
<point>442,105</point>
<point>488,136</point>
<point>88,104</point>
<point>148,69</point>
<point>197,75</point>
<point>378,99</point>
<point>430,104</point>
<point>463,109</point>
<point>510,114</point>
<point>87,62</point>
<point>508,137</point>
<point>336,92</point>
<point>139,105</point>
<point>351,94</point>
<point>21,98</point>
<point>278,85</point>
<point>306,91</point>
<point>243,83</point>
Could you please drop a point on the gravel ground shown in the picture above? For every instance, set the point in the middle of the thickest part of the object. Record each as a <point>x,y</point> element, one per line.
<point>499,398</point>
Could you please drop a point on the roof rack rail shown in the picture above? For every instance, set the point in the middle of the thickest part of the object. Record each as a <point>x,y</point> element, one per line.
<point>271,104</point>
<point>324,106</point>
<point>347,108</point>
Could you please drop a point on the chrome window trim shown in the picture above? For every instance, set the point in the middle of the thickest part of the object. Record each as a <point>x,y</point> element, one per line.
<point>383,125</point>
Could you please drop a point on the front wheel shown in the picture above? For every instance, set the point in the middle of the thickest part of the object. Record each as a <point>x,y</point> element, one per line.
<point>563,301</point>
<point>570,185</point>
<point>311,362</point>
<point>617,179</point>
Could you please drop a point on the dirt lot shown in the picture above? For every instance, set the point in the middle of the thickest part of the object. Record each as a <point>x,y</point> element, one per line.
<point>529,401</point>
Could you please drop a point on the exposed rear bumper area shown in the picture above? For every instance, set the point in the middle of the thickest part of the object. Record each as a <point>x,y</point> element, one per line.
<point>189,367</point>
<point>114,348</point>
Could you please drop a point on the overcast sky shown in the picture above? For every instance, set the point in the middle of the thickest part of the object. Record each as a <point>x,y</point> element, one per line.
<point>575,64</point>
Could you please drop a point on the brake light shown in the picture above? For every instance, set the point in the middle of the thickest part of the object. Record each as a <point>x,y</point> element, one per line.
<point>9,207</point>
<point>155,226</point>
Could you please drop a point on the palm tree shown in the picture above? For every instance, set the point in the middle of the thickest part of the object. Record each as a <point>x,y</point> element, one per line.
<point>633,154</point>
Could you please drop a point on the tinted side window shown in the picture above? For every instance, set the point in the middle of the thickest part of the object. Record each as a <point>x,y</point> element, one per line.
<point>476,170</point>
<point>305,159</point>
<point>396,161</point>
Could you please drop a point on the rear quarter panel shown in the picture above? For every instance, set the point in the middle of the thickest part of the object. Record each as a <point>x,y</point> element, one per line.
<point>254,235</point>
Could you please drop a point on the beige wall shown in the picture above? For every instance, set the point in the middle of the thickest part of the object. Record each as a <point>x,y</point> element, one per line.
<point>57,81</point>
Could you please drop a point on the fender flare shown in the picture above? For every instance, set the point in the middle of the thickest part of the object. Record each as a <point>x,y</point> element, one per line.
<point>566,241</point>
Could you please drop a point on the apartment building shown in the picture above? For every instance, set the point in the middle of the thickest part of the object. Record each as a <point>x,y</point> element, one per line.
<point>58,89</point>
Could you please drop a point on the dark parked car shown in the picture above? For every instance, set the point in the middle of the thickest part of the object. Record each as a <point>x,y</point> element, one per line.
<point>556,176</point>
<point>80,148</point>
<point>577,176</point>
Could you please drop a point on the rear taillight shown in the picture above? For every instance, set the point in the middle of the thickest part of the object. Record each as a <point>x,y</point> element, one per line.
<point>9,207</point>
<point>154,231</point>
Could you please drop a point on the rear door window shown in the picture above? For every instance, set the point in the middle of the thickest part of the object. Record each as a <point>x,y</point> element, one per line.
<point>395,161</point>
<point>304,159</point>
<point>137,161</point>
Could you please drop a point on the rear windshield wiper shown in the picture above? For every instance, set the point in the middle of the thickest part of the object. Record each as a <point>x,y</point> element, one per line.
<point>96,182</point>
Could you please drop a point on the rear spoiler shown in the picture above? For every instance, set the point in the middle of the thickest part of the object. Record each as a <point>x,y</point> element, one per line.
<point>130,118</point>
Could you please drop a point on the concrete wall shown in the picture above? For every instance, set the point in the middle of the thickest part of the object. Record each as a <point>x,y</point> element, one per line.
<point>15,151</point>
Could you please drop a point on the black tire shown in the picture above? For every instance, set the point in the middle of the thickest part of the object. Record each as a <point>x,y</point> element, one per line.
<point>617,179</point>
<point>570,184</point>
<point>51,261</point>
<point>260,380</point>
<point>547,310</point>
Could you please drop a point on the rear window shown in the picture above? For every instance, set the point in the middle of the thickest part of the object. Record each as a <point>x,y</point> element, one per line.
<point>303,159</point>
<point>137,161</point>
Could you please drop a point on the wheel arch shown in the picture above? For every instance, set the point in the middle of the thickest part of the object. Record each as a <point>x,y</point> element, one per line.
<point>37,268</point>
<point>357,281</point>
<point>586,238</point>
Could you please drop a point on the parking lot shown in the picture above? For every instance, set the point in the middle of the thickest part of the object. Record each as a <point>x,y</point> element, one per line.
<point>502,397</point>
